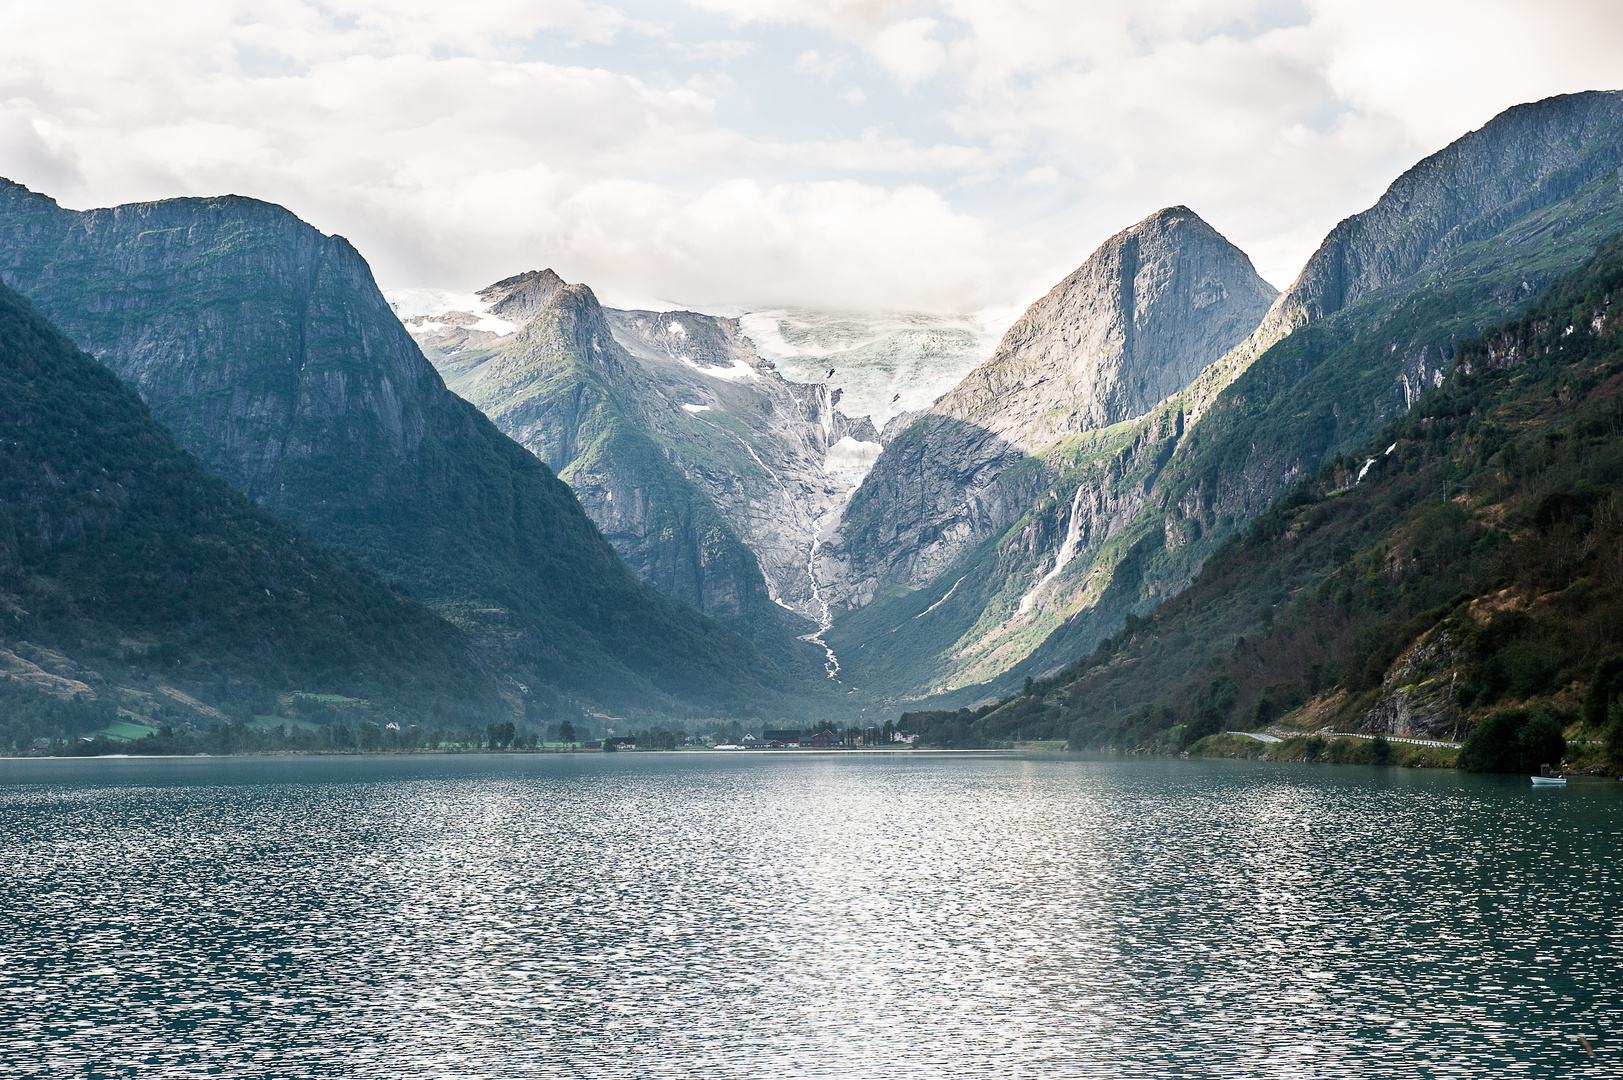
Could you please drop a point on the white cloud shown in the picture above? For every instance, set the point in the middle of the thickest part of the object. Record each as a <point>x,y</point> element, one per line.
<point>827,241</point>
<point>1272,119</point>
<point>908,50</point>
<point>708,154</point>
<point>711,52</point>
<point>811,62</point>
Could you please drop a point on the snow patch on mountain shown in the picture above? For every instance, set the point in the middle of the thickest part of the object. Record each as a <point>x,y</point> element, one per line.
<point>433,310</point>
<point>737,372</point>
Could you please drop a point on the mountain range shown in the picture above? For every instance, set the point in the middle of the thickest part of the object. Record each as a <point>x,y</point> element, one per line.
<point>268,351</point>
<point>638,510</point>
<point>1460,573</point>
<point>1034,555</point>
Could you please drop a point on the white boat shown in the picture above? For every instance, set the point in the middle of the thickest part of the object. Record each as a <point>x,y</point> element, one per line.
<point>1549,781</point>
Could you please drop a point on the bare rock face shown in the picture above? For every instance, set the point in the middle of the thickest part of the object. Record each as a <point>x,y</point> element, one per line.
<point>1527,157</point>
<point>777,458</point>
<point>1134,324</point>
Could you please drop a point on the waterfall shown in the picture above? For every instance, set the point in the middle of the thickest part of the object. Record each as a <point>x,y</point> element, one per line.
<point>1067,551</point>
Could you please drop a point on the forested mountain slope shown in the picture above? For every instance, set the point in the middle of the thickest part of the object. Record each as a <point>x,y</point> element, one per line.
<point>1467,559</point>
<point>267,349</point>
<point>1128,515</point>
<point>132,579</point>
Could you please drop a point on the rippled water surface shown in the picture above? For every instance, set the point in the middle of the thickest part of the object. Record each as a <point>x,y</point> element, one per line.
<point>783,915</point>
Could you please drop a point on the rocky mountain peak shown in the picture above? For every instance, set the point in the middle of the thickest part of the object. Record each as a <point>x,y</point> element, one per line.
<point>1132,325</point>
<point>519,298</point>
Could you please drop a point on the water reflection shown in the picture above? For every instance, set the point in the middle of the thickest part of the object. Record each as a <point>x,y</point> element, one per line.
<point>726,916</point>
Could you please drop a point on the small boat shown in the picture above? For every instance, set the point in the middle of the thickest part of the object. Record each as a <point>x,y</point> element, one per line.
<point>1549,781</point>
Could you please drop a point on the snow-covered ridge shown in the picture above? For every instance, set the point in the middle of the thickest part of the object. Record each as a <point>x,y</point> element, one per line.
<point>429,311</point>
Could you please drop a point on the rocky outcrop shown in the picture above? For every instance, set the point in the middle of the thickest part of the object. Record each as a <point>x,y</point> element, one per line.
<point>267,349</point>
<point>1137,322</point>
<point>1133,325</point>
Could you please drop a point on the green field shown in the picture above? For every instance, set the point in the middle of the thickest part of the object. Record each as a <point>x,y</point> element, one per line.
<point>271,723</point>
<point>127,729</point>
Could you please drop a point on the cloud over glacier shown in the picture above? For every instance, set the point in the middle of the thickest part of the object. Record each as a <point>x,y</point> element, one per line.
<point>947,156</point>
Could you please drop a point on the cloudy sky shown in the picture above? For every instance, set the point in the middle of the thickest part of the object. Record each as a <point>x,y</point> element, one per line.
<point>953,156</point>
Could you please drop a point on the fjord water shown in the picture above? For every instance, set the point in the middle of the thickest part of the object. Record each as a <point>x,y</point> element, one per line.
<point>801,915</point>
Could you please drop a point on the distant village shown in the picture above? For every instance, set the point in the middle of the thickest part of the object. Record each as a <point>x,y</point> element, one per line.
<point>826,739</point>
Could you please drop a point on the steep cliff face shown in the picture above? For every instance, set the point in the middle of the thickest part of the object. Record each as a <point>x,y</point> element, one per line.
<point>268,350</point>
<point>1528,157</point>
<point>1460,242</point>
<point>1365,601</point>
<point>708,471</point>
<point>777,458</point>
<point>1133,325</point>
<point>1138,321</point>
<point>161,583</point>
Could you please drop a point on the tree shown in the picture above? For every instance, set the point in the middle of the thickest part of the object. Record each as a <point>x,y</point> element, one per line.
<point>1614,733</point>
<point>1514,740</point>
<point>566,732</point>
<point>1605,687</point>
<point>1212,706</point>
<point>1603,706</point>
<point>1380,751</point>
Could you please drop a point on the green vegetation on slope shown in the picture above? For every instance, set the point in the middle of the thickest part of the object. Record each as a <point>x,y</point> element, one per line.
<point>1469,560</point>
<point>1327,389</point>
<point>269,352</point>
<point>1174,494</point>
<point>129,569</point>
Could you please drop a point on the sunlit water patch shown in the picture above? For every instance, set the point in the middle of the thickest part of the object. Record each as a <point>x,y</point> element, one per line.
<point>782,915</point>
